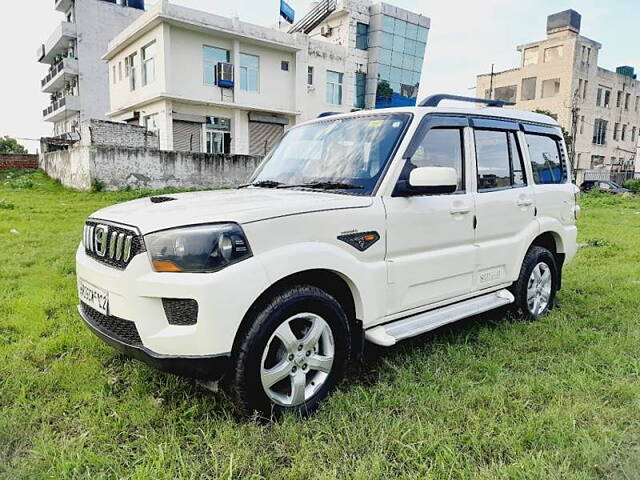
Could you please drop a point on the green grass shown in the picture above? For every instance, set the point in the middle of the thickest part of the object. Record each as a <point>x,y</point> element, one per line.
<point>491,397</point>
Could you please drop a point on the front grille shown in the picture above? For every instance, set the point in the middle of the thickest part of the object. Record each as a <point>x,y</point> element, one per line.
<point>111,244</point>
<point>122,330</point>
<point>180,311</point>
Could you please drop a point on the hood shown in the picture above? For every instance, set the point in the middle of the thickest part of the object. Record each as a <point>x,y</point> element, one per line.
<point>238,205</point>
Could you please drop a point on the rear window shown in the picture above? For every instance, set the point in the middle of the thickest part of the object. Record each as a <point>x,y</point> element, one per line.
<point>546,159</point>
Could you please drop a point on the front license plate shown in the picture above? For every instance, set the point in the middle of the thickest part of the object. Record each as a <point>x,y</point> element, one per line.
<point>94,297</point>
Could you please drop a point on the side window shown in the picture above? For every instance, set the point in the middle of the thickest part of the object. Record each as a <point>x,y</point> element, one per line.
<point>441,147</point>
<point>545,159</point>
<point>518,175</point>
<point>492,154</point>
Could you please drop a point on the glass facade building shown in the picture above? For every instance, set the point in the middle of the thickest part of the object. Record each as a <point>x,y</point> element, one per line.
<point>397,48</point>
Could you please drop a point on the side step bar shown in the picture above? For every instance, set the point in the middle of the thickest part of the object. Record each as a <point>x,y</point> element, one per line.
<point>390,333</point>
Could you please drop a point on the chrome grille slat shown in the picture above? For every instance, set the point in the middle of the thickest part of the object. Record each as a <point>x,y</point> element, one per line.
<point>111,244</point>
<point>120,246</point>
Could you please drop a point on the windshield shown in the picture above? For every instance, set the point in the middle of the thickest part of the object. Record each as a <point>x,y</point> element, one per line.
<point>347,154</point>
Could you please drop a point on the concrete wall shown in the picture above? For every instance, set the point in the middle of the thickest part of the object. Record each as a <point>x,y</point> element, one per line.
<point>100,132</point>
<point>71,167</point>
<point>120,167</point>
<point>17,160</point>
<point>144,168</point>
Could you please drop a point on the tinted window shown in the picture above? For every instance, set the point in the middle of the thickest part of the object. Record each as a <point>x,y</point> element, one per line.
<point>441,147</point>
<point>518,176</point>
<point>492,154</point>
<point>545,159</point>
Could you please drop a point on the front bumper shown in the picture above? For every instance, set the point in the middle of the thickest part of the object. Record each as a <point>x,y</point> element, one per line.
<point>211,367</point>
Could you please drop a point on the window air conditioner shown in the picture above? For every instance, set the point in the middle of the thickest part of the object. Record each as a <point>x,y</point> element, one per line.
<point>224,75</point>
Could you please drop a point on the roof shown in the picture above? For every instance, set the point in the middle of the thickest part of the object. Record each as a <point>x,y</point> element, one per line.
<point>503,113</point>
<point>208,23</point>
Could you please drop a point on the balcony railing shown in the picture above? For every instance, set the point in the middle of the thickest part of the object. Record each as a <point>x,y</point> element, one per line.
<point>58,104</point>
<point>57,68</point>
<point>66,64</point>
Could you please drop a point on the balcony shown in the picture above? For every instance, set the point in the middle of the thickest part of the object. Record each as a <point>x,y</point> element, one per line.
<point>61,39</point>
<point>61,109</point>
<point>63,5</point>
<point>58,75</point>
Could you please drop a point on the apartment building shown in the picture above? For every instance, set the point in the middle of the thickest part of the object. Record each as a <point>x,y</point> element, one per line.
<point>208,83</point>
<point>385,44</point>
<point>561,75</point>
<point>77,78</point>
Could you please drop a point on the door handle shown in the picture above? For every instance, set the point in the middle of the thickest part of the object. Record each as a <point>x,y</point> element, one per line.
<point>525,202</point>
<point>459,210</point>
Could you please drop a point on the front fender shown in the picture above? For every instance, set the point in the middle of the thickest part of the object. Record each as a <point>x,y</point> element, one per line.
<point>366,279</point>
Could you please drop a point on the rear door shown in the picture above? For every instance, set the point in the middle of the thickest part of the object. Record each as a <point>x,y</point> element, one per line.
<point>554,192</point>
<point>505,207</point>
<point>430,251</point>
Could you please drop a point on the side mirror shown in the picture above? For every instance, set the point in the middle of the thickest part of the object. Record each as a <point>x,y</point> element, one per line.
<point>432,180</point>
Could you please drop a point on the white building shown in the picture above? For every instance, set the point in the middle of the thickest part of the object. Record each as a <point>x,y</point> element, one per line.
<point>172,58</point>
<point>77,79</point>
<point>560,75</point>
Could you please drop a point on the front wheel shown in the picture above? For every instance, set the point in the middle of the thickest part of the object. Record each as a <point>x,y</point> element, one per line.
<point>293,355</point>
<point>536,287</point>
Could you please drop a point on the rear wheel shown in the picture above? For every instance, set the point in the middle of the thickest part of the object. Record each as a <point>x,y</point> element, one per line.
<point>293,355</point>
<point>536,287</point>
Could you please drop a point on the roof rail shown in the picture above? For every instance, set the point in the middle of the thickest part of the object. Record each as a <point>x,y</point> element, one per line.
<point>434,100</point>
<point>327,114</point>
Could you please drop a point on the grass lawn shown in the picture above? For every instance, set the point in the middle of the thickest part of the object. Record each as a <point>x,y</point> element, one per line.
<point>491,397</point>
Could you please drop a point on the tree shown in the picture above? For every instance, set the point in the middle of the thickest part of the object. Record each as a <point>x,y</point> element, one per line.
<point>384,90</point>
<point>11,145</point>
<point>568,139</point>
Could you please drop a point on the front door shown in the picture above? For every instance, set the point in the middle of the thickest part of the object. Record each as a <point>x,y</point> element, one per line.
<point>430,250</point>
<point>505,206</point>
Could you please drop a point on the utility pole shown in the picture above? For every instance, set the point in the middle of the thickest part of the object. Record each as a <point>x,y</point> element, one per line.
<point>491,83</point>
<point>575,111</point>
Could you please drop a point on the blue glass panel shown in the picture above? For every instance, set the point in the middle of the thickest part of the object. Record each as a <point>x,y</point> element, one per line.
<point>407,77</point>
<point>396,59</point>
<point>215,54</point>
<point>409,47</point>
<point>398,43</point>
<point>400,27</point>
<point>422,34</point>
<point>408,62</point>
<point>384,56</point>
<point>412,31</point>
<point>387,40</point>
<point>388,24</point>
<point>384,71</point>
<point>417,65</point>
<point>396,75</point>
<point>420,48</point>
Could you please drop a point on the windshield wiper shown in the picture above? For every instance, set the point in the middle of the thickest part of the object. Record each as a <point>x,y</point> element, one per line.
<point>326,186</point>
<point>263,184</point>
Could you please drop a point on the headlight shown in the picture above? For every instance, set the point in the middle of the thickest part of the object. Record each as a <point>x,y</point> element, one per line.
<point>204,248</point>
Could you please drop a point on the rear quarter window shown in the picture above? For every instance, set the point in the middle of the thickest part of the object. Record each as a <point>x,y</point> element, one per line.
<point>547,162</point>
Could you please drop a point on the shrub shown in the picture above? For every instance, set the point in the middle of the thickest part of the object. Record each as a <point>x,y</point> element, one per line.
<point>97,186</point>
<point>21,183</point>
<point>633,184</point>
<point>5,205</point>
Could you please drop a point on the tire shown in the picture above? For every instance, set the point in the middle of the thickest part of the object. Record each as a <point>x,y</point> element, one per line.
<point>537,282</point>
<point>273,372</point>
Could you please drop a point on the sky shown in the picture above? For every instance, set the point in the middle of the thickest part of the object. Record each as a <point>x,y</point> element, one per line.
<point>466,37</point>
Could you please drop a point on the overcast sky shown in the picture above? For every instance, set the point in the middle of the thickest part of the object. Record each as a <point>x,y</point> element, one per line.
<point>466,37</point>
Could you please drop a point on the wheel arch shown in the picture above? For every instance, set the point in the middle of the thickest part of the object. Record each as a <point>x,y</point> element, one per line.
<point>553,242</point>
<point>336,284</point>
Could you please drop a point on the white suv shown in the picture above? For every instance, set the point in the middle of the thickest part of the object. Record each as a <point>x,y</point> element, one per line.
<point>377,225</point>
